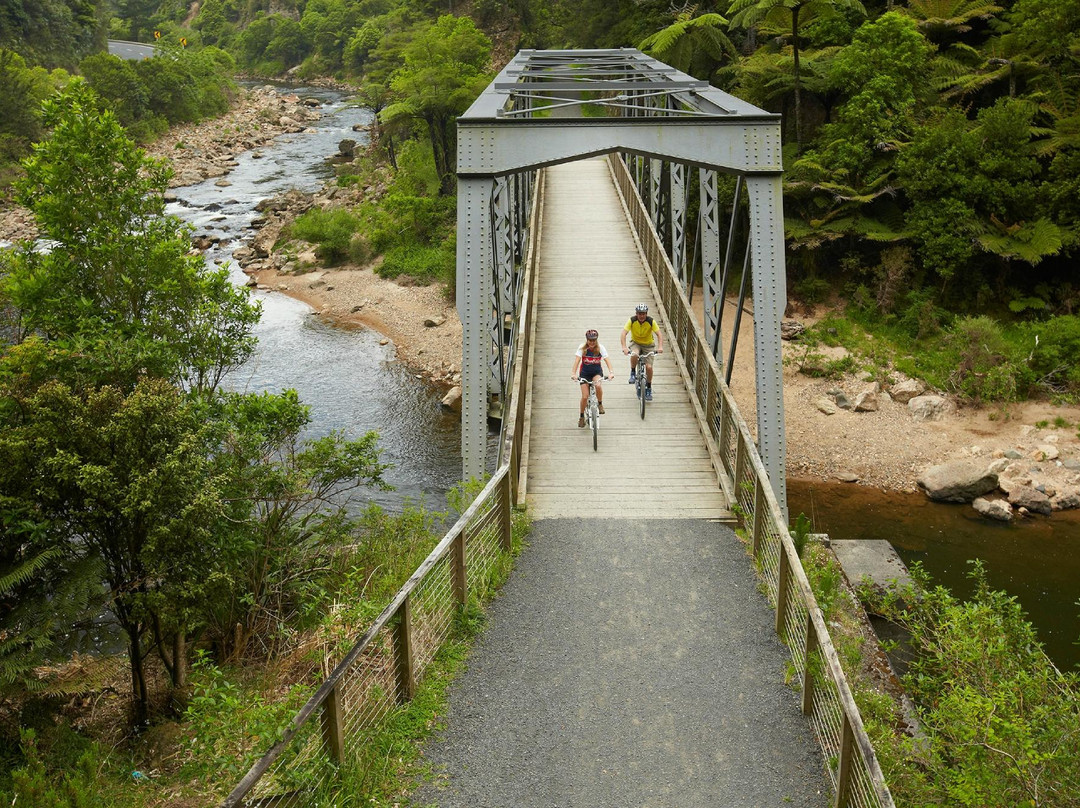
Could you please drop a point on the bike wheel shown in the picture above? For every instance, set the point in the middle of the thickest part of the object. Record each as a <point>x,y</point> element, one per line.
<point>595,418</point>
<point>641,394</point>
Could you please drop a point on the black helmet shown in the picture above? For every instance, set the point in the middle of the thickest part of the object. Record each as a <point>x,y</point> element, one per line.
<point>642,307</point>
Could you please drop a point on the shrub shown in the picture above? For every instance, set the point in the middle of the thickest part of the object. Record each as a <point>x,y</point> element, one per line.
<point>422,263</point>
<point>985,365</point>
<point>999,721</point>
<point>332,230</point>
<point>1055,354</point>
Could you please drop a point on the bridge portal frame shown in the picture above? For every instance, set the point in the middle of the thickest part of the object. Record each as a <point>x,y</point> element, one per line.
<point>551,107</point>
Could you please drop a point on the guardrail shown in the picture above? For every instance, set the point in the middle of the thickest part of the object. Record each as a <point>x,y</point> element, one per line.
<point>382,669</point>
<point>826,696</point>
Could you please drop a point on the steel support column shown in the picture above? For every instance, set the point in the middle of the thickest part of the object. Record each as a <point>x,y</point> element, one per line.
<point>474,264</point>
<point>770,299</point>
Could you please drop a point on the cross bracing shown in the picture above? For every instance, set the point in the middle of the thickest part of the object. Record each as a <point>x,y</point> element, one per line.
<point>551,107</point>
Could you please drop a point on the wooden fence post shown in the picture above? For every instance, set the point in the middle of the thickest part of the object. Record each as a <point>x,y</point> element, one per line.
<point>333,727</point>
<point>759,516</point>
<point>783,584</point>
<point>460,568</point>
<point>808,674</point>
<point>403,652</point>
<point>505,515</point>
<point>844,766</point>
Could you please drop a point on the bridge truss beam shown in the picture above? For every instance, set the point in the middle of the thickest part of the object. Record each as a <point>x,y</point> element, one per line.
<point>551,107</point>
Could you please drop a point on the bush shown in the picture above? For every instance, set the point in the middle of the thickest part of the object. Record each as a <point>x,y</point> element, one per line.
<point>985,365</point>
<point>1055,354</point>
<point>332,230</point>
<point>422,263</point>
<point>999,721</point>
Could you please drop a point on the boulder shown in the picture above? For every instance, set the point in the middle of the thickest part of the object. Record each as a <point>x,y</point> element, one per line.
<point>1027,498</point>
<point>1045,451</point>
<point>906,390</point>
<point>957,482</point>
<point>867,400</point>
<point>791,329</point>
<point>826,406</point>
<point>997,509</point>
<point>1066,499</point>
<point>928,408</point>
<point>452,400</point>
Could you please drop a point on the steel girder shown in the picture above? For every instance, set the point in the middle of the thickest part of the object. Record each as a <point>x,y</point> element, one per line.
<point>550,107</point>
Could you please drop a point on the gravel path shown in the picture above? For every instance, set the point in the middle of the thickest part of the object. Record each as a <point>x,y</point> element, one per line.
<point>626,663</point>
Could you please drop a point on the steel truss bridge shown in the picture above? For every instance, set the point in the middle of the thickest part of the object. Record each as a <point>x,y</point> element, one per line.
<point>551,107</point>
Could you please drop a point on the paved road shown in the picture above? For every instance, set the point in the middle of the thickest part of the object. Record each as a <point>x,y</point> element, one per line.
<point>627,664</point>
<point>130,50</point>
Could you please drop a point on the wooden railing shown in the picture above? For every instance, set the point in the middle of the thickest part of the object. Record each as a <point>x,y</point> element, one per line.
<point>826,697</point>
<point>382,669</point>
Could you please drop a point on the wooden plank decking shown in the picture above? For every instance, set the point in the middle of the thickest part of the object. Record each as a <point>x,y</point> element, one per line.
<point>591,276</point>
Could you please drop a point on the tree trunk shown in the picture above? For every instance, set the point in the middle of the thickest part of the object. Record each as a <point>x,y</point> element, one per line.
<point>798,87</point>
<point>179,673</point>
<point>140,696</point>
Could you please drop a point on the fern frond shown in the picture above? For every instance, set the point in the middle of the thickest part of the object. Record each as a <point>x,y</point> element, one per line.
<point>1030,242</point>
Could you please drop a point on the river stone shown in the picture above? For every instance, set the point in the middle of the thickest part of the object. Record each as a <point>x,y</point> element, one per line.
<point>906,390</point>
<point>867,400</point>
<point>1028,498</point>
<point>1045,451</point>
<point>847,477</point>
<point>1066,499</point>
<point>994,509</point>
<point>1071,465</point>
<point>452,400</point>
<point>957,482</point>
<point>825,405</point>
<point>927,408</point>
<point>999,466</point>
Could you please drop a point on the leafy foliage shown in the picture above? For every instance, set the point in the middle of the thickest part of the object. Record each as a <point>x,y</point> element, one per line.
<point>999,722</point>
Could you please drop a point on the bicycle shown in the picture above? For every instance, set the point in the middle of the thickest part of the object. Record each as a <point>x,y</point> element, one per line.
<point>592,409</point>
<point>641,381</point>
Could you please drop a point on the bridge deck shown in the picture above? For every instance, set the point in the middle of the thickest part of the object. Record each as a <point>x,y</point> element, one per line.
<point>592,276</point>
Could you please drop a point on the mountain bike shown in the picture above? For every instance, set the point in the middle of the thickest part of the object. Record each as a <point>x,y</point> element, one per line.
<point>592,409</point>
<point>639,384</point>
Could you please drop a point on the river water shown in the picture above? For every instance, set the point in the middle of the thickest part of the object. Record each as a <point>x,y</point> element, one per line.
<point>1035,560</point>
<point>354,384</point>
<point>350,381</point>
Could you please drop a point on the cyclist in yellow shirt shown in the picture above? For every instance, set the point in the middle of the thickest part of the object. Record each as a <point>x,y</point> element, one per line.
<point>645,337</point>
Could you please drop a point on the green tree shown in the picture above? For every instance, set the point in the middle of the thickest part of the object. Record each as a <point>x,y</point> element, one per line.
<point>120,289</point>
<point>694,45</point>
<point>945,20</point>
<point>120,480</point>
<point>790,14</point>
<point>446,68</point>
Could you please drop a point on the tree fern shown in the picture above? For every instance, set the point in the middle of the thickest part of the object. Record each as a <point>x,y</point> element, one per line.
<point>1030,242</point>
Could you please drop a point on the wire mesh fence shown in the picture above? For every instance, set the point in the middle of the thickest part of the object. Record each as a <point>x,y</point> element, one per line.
<point>826,695</point>
<point>328,735</point>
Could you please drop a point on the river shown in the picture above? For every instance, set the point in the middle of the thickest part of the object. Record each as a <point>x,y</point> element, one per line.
<point>350,381</point>
<point>1036,560</point>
